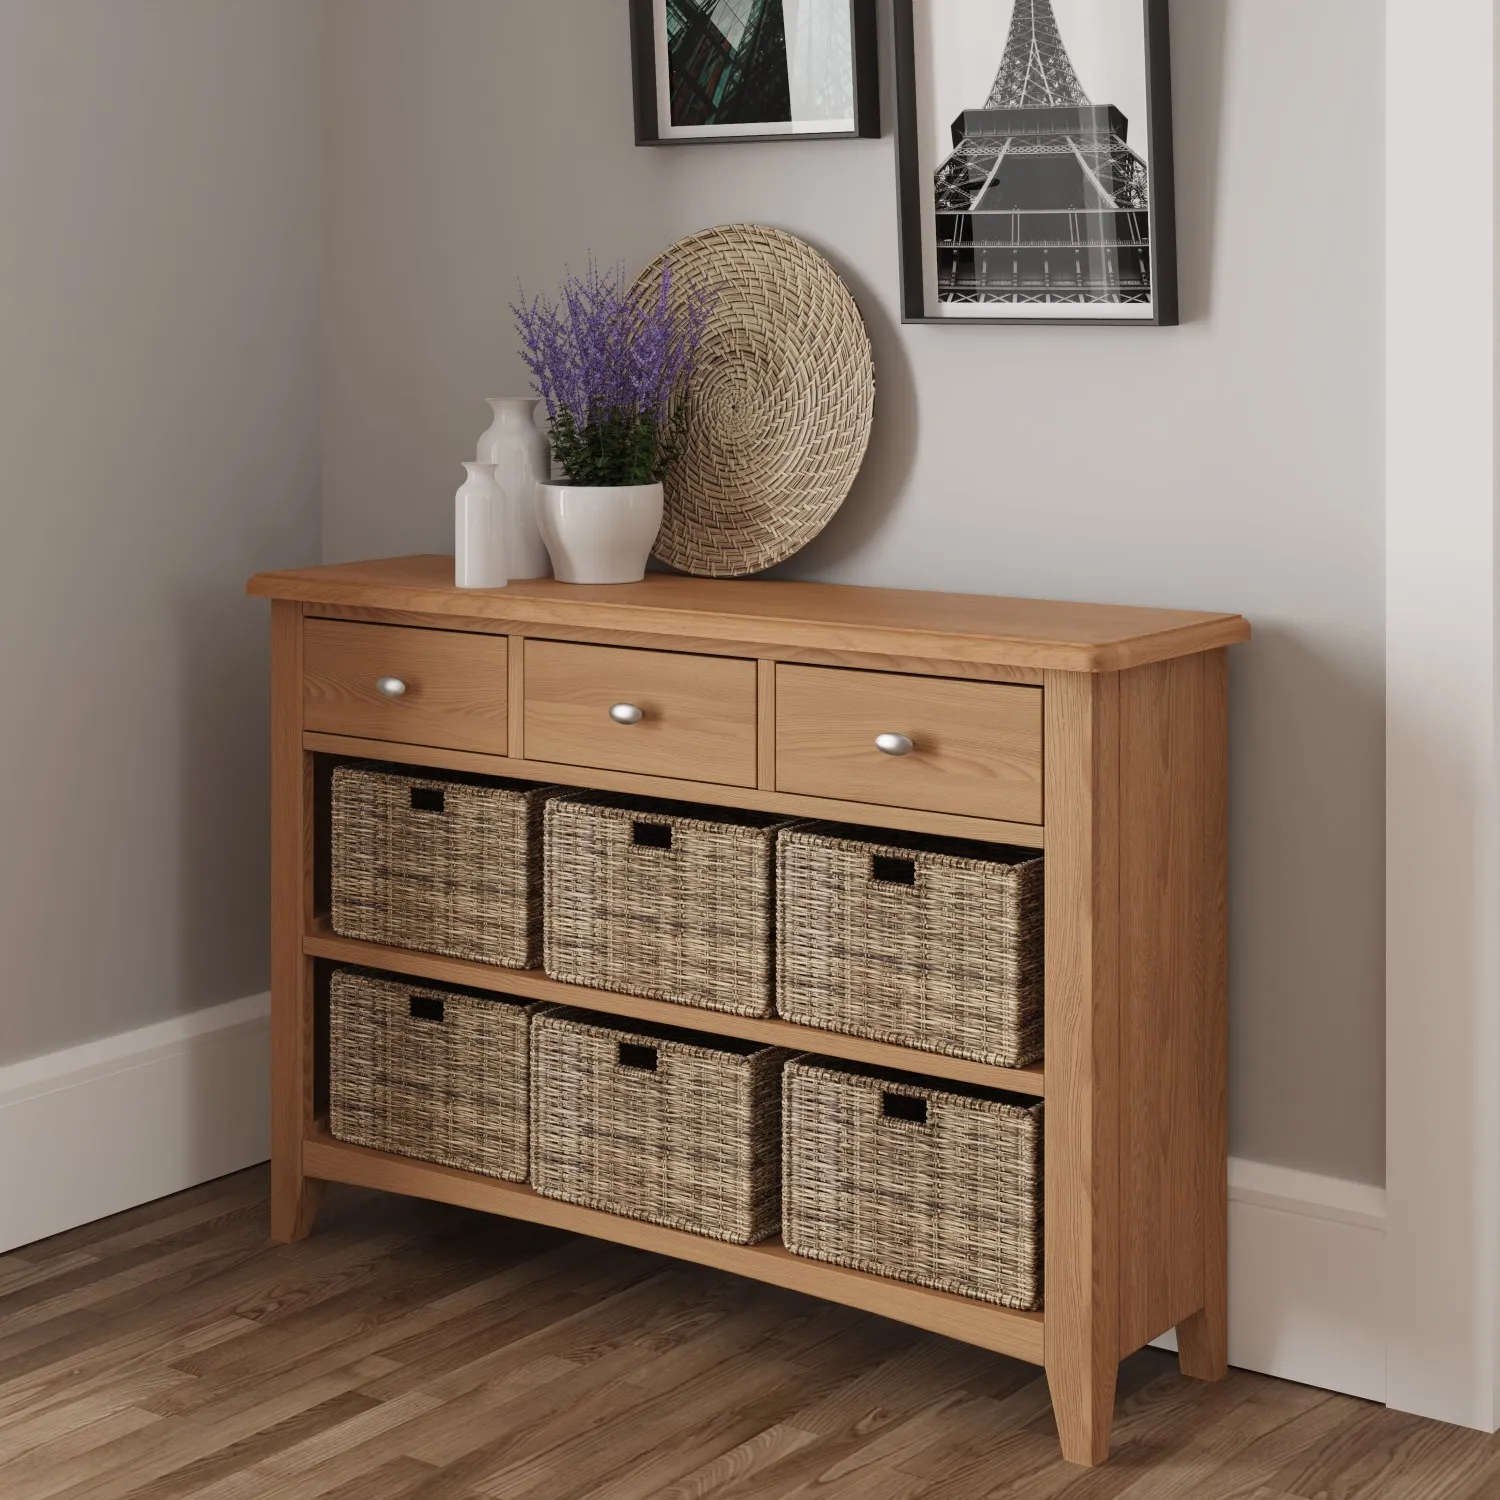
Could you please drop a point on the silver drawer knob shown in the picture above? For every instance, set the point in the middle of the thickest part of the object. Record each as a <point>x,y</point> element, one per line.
<point>391,687</point>
<point>627,713</point>
<point>894,744</point>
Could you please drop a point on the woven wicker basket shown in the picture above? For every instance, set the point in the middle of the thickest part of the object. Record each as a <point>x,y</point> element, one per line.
<point>662,899</point>
<point>444,863</point>
<point>929,943</point>
<point>429,1071</point>
<point>936,1184</point>
<point>658,1124</point>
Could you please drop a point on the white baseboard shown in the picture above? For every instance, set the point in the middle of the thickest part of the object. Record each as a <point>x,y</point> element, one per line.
<point>1306,1279</point>
<point>97,1129</point>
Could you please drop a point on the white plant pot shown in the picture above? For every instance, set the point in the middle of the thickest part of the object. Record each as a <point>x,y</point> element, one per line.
<point>599,533</point>
<point>481,531</point>
<point>522,460</point>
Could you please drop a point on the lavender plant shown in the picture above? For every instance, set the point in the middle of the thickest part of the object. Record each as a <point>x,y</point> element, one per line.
<point>612,362</point>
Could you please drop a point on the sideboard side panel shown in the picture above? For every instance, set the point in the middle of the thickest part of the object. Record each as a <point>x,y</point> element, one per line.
<point>1172,1166</point>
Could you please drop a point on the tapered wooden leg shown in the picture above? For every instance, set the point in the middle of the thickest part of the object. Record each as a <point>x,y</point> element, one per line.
<point>1081,1334</point>
<point>294,1197</point>
<point>1083,1403</point>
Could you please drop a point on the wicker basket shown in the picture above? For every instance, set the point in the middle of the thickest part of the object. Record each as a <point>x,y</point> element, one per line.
<point>445,863</point>
<point>658,1124</point>
<point>939,1184</point>
<point>662,899</point>
<point>428,1071</point>
<point>929,943</point>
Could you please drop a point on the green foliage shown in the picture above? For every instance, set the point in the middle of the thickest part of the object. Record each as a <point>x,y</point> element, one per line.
<point>624,447</point>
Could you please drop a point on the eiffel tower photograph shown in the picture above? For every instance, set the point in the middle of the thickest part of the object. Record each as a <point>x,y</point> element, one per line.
<point>1030,193</point>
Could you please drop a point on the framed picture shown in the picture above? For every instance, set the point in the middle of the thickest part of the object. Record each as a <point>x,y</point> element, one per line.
<point>1034,153</point>
<point>754,70</point>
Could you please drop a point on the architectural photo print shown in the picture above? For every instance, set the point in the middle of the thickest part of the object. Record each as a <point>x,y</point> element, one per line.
<point>1038,170</point>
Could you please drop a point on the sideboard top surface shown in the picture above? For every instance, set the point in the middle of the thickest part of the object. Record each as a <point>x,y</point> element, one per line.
<point>959,627</point>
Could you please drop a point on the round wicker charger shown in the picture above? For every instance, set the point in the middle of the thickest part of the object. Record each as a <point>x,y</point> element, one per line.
<point>779,412</point>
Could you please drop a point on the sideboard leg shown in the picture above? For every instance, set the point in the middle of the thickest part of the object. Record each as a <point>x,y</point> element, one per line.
<point>294,1204</point>
<point>1081,1332</point>
<point>1083,1403</point>
<point>294,1197</point>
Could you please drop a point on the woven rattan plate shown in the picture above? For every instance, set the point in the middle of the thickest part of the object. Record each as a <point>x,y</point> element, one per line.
<point>779,413</point>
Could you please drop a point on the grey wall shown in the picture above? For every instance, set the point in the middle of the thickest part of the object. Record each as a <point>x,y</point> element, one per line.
<point>1234,463</point>
<point>159,169</point>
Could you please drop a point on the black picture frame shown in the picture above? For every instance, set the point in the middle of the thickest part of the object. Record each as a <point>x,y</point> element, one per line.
<point>865,72</point>
<point>915,188</point>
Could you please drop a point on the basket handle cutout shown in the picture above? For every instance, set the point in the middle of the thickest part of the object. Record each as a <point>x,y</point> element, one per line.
<point>426,1008</point>
<point>429,799</point>
<point>904,1107</point>
<point>634,1055</point>
<point>651,835</point>
<point>889,870</point>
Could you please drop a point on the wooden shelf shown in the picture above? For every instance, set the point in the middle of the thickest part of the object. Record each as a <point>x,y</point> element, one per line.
<point>1014,1333</point>
<point>531,984</point>
<point>869,815</point>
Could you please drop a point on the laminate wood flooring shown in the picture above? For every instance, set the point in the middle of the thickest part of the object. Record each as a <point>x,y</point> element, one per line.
<point>410,1351</point>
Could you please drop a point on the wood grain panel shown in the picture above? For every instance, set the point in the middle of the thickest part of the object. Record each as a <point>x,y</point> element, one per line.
<point>294,1197</point>
<point>1166,915</point>
<point>699,711</point>
<point>457,685</point>
<point>1203,1337</point>
<point>950,627</point>
<point>978,745</point>
<point>1026,836</point>
<point>1014,1333</point>
<point>323,942</point>
<point>1082,1047</point>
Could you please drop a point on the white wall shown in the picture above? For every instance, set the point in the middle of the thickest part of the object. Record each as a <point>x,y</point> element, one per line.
<point>160,175</point>
<point>1234,463</point>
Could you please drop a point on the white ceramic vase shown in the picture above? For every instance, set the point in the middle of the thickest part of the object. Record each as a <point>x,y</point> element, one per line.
<point>599,533</point>
<point>522,460</point>
<point>481,531</point>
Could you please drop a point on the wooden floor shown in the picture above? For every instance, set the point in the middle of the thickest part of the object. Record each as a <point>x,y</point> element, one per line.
<point>409,1349</point>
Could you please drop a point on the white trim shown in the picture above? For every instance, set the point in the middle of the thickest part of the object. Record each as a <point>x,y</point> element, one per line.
<point>93,1130</point>
<point>1442,820</point>
<point>1306,1279</point>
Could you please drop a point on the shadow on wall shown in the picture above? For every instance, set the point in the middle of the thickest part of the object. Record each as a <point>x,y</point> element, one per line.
<point>893,441</point>
<point>224,773</point>
<point>1199,31</point>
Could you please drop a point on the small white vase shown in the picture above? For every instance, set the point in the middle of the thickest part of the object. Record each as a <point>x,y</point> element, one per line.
<point>481,531</point>
<point>522,460</point>
<point>599,533</point>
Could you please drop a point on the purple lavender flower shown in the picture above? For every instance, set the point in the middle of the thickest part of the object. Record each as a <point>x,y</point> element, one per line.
<point>612,363</point>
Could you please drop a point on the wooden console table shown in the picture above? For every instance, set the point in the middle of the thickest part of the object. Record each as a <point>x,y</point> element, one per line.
<point>1095,733</point>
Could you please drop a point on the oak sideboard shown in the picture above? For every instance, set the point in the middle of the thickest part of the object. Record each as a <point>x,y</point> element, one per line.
<point>1097,734</point>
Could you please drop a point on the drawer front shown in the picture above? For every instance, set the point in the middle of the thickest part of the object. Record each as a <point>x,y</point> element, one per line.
<point>455,685</point>
<point>697,713</point>
<point>976,747</point>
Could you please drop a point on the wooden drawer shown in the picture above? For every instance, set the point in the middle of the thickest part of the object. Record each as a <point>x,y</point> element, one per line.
<point>455,685</point>
<point>698,712</point>
<point>977,746</point>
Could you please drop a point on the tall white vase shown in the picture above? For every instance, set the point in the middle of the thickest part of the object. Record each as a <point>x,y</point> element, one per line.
<point>522,460</point>
<point>481,531</point>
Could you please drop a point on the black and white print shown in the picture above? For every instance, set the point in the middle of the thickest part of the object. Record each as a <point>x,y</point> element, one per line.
<point>1036,160</point>
<point>753,69</point>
